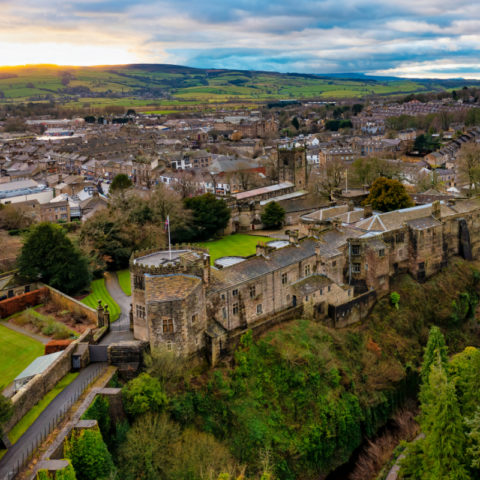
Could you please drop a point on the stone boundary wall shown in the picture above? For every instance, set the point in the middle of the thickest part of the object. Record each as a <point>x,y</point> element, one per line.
<point>353,311</point>
<point>41,384</point>
<point>261,326</point>
<point>16,304</point>
<point>69,303</point>
<point>13,305</point>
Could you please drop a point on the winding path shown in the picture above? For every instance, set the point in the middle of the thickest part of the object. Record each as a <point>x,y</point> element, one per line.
<point>120,330</point>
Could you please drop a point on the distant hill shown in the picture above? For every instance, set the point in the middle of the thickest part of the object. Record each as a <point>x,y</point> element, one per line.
<point>150,84</point>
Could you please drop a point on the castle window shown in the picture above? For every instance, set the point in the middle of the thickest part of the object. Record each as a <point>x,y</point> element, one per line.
<point>139,282</point>
<point>284,278</point>
<point>223,296</point>
<point>321,291</point>
<point>334,263</point>
<point>167,325</point>
<point>140,311</point>
<point>259,309</point>
<point>356,268</point>
<point>224,313</point>
<point>400,237</point>
<point>235,308</point>
<point>329,287</point>
<point>235,292</point>
<point>169,345</point>
<point>355,249</point>
<point>194,318</point>
<point>252,291</point>
<point>307,270</point>
<point>381,252</point>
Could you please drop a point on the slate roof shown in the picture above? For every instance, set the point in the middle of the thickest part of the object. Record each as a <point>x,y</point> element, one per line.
<point>312,283</point>
<point>258,266</point>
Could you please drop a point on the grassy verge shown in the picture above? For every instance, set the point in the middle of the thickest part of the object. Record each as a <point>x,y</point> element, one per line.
<point>240,245</point>
<point>17,351</point>
<point>21,427</point>
<point>124,280</point>
<point>100,292</point>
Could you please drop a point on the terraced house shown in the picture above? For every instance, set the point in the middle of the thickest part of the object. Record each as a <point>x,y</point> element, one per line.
<point>340,261</point>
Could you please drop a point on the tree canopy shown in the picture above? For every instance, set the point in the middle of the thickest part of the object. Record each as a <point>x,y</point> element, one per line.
<point>120,182</point>
<point>273,215</point>
<point>210,215</point>
<point>49,256</point>
<point>387,194</point>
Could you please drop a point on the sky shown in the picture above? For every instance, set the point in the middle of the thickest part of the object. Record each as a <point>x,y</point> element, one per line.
<point>410,38</point>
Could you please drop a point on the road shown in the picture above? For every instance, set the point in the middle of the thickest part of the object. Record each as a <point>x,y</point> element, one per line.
<point>40,428</point>
<point>120,330</point>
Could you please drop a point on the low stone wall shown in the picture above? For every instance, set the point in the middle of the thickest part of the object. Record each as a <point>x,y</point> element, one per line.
<point>353,311</point>
<point>230,344</point>
<point>68,303</point>
<point>40,385</point>
<point>13,305</point>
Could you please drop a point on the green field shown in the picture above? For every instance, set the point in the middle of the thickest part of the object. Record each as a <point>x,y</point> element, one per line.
<point>21,427</point>
<point>240,245</point>
<point>100,292</point>
<point>174,85</point>
<point>124,281</point>
<point>17,351</point>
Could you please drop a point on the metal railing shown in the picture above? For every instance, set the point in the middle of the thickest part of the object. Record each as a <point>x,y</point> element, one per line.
<point>50,425</point>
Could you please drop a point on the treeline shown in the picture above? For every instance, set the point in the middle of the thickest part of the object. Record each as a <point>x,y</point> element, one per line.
<point>450,416</point>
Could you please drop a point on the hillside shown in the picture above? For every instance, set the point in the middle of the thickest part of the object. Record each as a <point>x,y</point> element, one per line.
<point>149,84</point>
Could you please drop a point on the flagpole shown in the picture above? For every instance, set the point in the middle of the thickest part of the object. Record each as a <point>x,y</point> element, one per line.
<point>169,242</point>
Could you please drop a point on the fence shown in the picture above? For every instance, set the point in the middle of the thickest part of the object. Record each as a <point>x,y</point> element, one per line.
<point>31,444</point>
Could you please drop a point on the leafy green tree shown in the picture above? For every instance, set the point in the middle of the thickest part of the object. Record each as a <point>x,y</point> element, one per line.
<point>387,194</point>
<point>49,256</point>
<point>89,455</point>
<point>473,437</point>
<point>210,215</point>
<point>273,215</point>
<point>445,441</point>
<point>367,169</point>
<point>435,349</point>
<point>395,299</point>
<point>143,394</point>
<point>120,182</point>
<point>148,450</point>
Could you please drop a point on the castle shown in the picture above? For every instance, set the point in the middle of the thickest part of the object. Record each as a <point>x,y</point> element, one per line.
<point>339,261</point>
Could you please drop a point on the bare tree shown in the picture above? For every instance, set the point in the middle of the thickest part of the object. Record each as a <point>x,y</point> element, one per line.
<point>329,179</point>
<point>468,165</point>
<point>185,184</point>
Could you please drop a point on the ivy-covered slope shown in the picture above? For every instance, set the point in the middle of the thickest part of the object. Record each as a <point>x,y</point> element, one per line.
<point>305,396</point>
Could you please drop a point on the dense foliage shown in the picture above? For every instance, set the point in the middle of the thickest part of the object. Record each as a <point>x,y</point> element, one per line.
<point>144,394</point>
<point>273,215</point>
<point>450,416</point>
<point>6,410</point>
<point>387,194</point>
<point>120,182</point>
<point>210,216</point>
<point>67,473</point>
<point>89,454</point>
<point>49,256</point>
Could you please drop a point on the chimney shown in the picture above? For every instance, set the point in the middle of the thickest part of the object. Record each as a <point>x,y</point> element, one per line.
<point>367,211</point>
<point>436,213</point>
<point>293,237</point>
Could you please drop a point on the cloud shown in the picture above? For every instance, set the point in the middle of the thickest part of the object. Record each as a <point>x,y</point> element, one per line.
<point>406,37</point>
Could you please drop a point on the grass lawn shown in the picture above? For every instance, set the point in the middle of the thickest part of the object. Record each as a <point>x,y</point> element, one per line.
<point>238,245</point>
<point>124,280</point>
<point>100,292</point>
<point>17,351</point>
<point>21,427</point>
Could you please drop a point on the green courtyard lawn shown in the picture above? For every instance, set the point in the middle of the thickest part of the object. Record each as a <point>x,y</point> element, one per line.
<point>124,281</point>
<point>100,292</point>
<point>237,245</point>
<point>17,351</point>
<point>21,427</point>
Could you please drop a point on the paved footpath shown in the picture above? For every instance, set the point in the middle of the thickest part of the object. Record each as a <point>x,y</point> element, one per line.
<point>119,330</point>
<point>24,331</point>
<point>40,428</point>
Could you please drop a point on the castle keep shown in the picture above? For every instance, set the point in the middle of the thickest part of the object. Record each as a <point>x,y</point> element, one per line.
<point>340,261</point>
